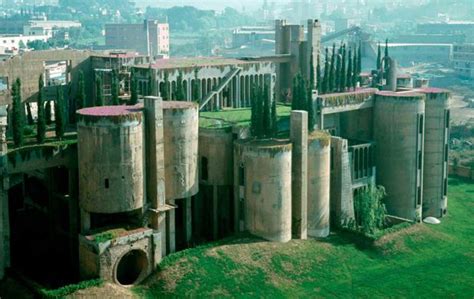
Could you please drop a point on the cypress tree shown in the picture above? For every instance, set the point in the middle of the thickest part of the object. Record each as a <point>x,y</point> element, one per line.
<point>17,117</point>
<point>355,73</point>
<point>99,96</point>
<point>133,89</point>
<point>41,122</point>
<point>379,57</point>
<point>180,95</point>
<point>166,88</point>
<point>325,85</point>
<point>81,92</point>
<point>309,108</point>
<point>274,120</point>
<point>151,80</point>
<point>266,113</point>
<point>311,72</point>
<point>303,94</point>
<point>349,70</point>
<point>385,64</point>
<point>386,48</point>
<point>343,75</point>
<point>196,87</point>
<point>29,115</point>
<point>332,70</point>
<point>254,116</point>
<point>59,112</point>
<point>337,84</point>
<point>359,60</point>
<point>319,82</point>
<point>47,113</point>
<point>115,88</point>
<point>259,109</point>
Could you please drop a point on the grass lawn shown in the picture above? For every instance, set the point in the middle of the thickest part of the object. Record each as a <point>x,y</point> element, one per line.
<point>420,261</point>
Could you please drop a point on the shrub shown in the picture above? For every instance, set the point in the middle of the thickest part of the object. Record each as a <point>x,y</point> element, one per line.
<point>370,210</point>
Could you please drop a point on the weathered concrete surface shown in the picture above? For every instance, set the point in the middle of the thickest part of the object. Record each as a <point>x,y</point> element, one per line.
<point>398,132</point>
<point>111,175</point>
<point>299,174</point>
<point>319,181</point>
<point>155,164</point>
<point>436,147</point>
<point>216,146</point>
<point>267,188</point>
<point>30,65</point>
<point>342,199</point>
<point>181,132</point>
<point>4,213</point>
<point>100,259</point>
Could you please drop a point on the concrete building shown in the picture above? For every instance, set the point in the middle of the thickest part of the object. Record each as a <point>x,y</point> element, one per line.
<point>48,27</point>
<point>463,60</point>
<point>150,38</point>
<point>160,179</point>
<point>16,42</point>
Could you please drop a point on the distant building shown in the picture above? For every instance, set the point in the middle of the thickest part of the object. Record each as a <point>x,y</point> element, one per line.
<point>250,35</point>
<point>49,27</point>
<point>408,53</point>
<point>463,60</point>
<point>17,41</point>
<point>150,38</point>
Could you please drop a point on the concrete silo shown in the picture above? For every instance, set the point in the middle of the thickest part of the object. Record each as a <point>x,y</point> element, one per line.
<point>264,174</point>
<point>435,174</point>
<point>399,134</point>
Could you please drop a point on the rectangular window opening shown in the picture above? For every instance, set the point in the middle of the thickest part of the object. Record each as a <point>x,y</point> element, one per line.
<point>106,183</point>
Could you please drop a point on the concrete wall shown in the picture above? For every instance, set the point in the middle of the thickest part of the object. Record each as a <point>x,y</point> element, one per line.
<point>30,65</point>
<point>435,178</point>
<point>110,154</point>
<point>319,179</point>
<point>181,129</point>
<point>357,124</point>
<point>267,188</point>
<point>399,132</point>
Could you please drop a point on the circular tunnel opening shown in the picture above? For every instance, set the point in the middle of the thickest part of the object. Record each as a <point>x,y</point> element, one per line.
<point>131,267</point>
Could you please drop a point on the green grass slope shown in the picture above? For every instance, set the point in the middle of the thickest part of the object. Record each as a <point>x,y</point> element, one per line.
<point>420,261</point>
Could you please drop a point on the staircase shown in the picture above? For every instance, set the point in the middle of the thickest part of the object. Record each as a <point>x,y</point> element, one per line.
<point>216,90</point>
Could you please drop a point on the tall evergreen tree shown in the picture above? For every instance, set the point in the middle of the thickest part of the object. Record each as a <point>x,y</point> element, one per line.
<point>259,109</point>
<point>166,88</point>
<point>343,75</point>
<point>359,60</point>
<point>379,57</point>
<point>18,113</point>
<point>180,94</point>
<point>337,85</point>
<point>385,61</point>
<point>274,120</point>
<point>47,113</point>
<point>151,82</point>
<point>29,115</point>
<point>325,86</point>
<point>311,72</point>
<point>115,88</point>
<point>386,48</point>
<point>319,83</point>
<point>133,89</point>
<point>81,92</point>
<point>196,87</point>
<point>59,113</point>
<point>99,95</point>
<point>253,107</point>
<point>309,108</point>
<point>349,74</point>
<point>355,72</point>
<point>41,122</point>
<point>295,93</point>
<point>332,70</point>
<point>266,113</point>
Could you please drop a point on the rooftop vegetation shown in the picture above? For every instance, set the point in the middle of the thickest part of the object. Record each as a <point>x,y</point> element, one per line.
<point>236,117</point>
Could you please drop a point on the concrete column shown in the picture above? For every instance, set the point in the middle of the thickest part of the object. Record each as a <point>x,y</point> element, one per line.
<point>188,219</point>
<point>171,230</point>
<point>215,224</point>
<point>238,96</point>
<point>155,165</point>
<point>299,173</point>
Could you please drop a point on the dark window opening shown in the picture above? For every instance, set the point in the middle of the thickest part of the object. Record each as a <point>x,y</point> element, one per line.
<point>445,187</point>
<point>418,196</point>
<point>204,169</point>
<point>448,116</point>
<point>241,176</point>
<point>420,160</point>
<point>106,182</point>
<point>421,124</point>
<point>446,153</point>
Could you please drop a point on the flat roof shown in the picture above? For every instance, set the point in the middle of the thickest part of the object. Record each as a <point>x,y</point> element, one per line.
<point>110,110</point>
<point>194,62</point>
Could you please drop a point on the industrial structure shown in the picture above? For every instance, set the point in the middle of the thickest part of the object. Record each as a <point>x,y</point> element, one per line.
<point>146,180</point>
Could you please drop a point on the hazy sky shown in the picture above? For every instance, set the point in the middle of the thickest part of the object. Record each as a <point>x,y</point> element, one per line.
<point>208,4</point>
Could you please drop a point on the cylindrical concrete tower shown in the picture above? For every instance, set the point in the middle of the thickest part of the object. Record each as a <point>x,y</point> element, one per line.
<point>216,154</point>
<point>399,133</point>
<point>110,155</point>
<point>266,175</point>
<point>435,176</point>
<point>181,129</point>
<point>319,179</point>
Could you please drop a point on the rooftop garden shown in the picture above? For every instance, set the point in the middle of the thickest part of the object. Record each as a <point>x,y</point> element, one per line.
<point>236,117</point>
